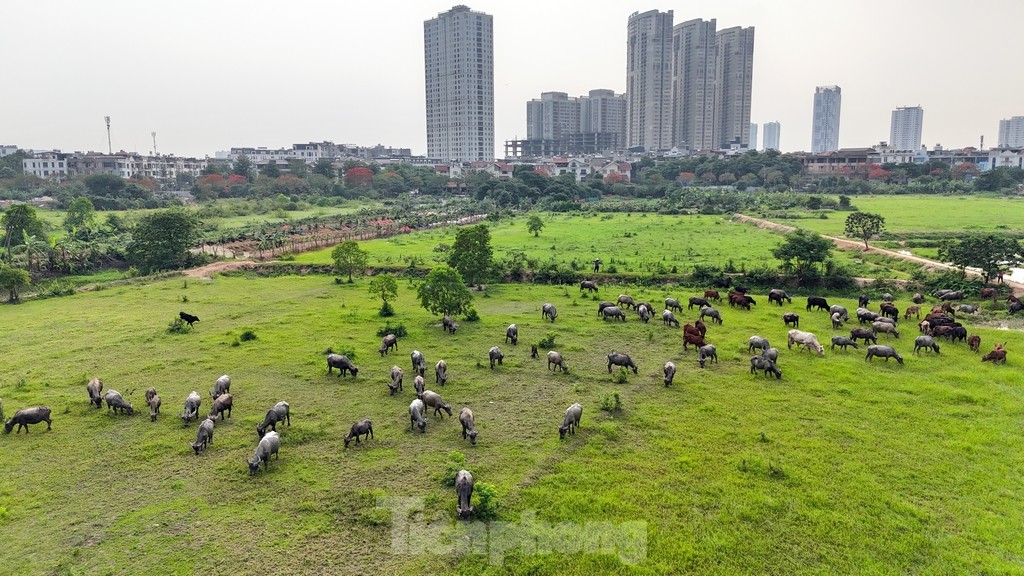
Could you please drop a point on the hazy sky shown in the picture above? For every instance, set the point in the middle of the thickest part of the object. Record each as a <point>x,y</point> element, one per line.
<point>208,75</point>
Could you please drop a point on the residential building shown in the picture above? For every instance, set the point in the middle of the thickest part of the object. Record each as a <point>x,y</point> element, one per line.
<point>48,165</point>
<point>1011,133</point>
<point>753,136</point>
<point>693,84</point>
<point>126,165</point>
<point>458,47</point>
<point>825,124</point>
<point>649,80</point>
<point>772,135</point>
<point>559,125</point>
<point>7,150</point>
<point>603,111</point>
<point>734,77</point>
<point>553,117</point>
<point>905,128</point>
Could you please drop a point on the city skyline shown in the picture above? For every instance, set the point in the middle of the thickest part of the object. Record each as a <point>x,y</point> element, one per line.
<point>204,86</point>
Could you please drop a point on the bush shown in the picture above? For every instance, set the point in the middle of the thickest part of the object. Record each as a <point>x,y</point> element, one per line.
<point>705,275</point>
<point>485,501</point>
<point>399,331</point>
<point>621,377</point>
<point>456,461</point>
<point>178,326</point>
<point>247,335</point>
<point>548,341</point>
<point>612,402</point>
<point>350,352</point>
<point>386,310</point>
<point>472,316</point>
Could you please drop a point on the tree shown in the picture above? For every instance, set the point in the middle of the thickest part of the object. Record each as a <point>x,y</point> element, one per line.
<point>358,177</point>
<point>444,292</point>
<point>107,185</point>
<point>81,213</point>
<point>325,168</point>
<point>161,240</point>
<point>535,225</point>
<point>802,251</point>
<point>471,253</point>
<point>864,225</point>
<point>385,287</point>
<point>13,279</point>
<point>20,221</point>
<point>990,253</point>
<point>242,166</point>
<point>271,170</point>
<point>349,258</point>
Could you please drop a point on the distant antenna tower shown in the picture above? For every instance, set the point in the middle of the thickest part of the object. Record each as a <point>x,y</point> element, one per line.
<point>154,144</point>
<point>110,149</point>
<point>982,146</point>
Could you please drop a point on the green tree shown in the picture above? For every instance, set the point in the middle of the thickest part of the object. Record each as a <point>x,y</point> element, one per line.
<point>13,279</point>
<point>535,225</point>
<point>107,185</point>
<point>325,168</point>
<point>161,240</point>
<point>802,251</point>
<point>81,213</point>
<point>349,258</point>
<point>444,291</point>
<point>271,170</point>
<point>20,221</point>
<point>242,166</point>
<point>990,253</point>
<point>385,287</point>
<point>471,253</point>
<point>864,225</point>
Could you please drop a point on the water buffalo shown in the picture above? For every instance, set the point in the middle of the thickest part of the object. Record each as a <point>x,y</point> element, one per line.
<point>449,325</point>
<point>791,318</point>
<point>757,343</point>
<point>1016,307</point>
<point>468,422</point>
<point>917,298</point>
<point>843,342</point>
<point>464,492</point>
<point>153,400</point>
<point>889,311</point>
<point>864,334</point>
<point>690,338</point>
<point>269,445</point>
<point>707,352</point>
<point>22,418</point>
<point>588,285</point>
<point>495,355</point>
<point>440,373</point>
<point>362,428</point>
<point>221,405</point>
<point>204,435</point>
<point>988,293</point>
<point>416,409</point>
<point>670,372</point>
<point>698,302</point>
<point>967,308</point>
<point>669,319</point>
<point>954,295</point>
<point>281,412</point>
<point>673,304</point>
<point>841,310</point>
<point>419,363</point>
<point>188,318</point>
<point>837,321</point>
<point>221,386</point>
<point>390,341</point>
<point>710,312</point>
<point>548,311</point>
<point>865,316</point>
<point>613,312</point>
<point>777,296</point>
<point>571,420</point>
<point>602,306</point>
<point>555,359</point>
<point>886,328</point>
<point>817,302</point>
<point>192,403</point>
<point>771,354</point>
<point>626,300</point>
<point>342,363</point>
<point>433,400</point>
<point>419,385</point>
<point>397,374</point>
<point>883,352</point>
<point>701,328</point>
<point>644,312</point>
<point>94,387</point>
<point>974,342</point>
<point>996,356</point>
<point>863,301</point>
<point>806,339</point>
<point>912,311</point>
<point>116,402</point>
<point>766,365</point>
<point>925,342</point>
<point>618,359</point>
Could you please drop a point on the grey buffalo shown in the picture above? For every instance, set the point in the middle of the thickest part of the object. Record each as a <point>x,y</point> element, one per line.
<point>464,491</point>
<point>843,342</point>
<point>94,387</point>
<point>757,343</point>
<point>925,342</point>
<point>221,405</point>
<point>571,420</point>
<point>204,435</point>
<point>362,428</point>
<point>673,304</point>
<point>433,400</point>
<point>495,355</point>
<point>468,422</point>
<point>512,333</point>
<point>670,372</point>
<point>707,352</point>
<point>762,363</point>
<point>192,403</point>
<point>396,380</point>
<point>886,328</point>
<point>281,412</point>
<point>416,409</point>
<point>669,319</point>
<point>883,352</point>
<point>441,372</point>
<point>791,318</point>
<point>270,445</point>
<point>221,386</point>
<point>342,363</point>
<point>708,311</point>
<point>391,341</point>
<point>555,359</point>
<point>548,311</point>
<point>617,359</point>
<point>419,363</point>
<point>588,285</point>
<point>22,418</point>
<point>625,300</point>
<point>613,312</point>
<point>153,400</point>
<point>116,402</point>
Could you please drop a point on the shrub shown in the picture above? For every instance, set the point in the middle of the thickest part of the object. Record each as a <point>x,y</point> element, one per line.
<point>705,275</point>
<point>548,341</point>
<point>399,331</point>
<point>621,377</point>
<point>456,461</point>
<point>247,335</point>
<point>472,316</point>
<point>612,402</point>
<point>386,310</point>
<point>178,326</point>
<point>485,496</point>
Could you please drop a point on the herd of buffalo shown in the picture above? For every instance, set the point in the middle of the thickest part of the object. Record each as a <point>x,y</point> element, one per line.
<point>939,322</point>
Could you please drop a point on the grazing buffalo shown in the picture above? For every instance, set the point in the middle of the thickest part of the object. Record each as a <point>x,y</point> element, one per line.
<point>951,296</point>
<point>996,356</point>
<point>777,296</point>
<point>512,333</point>
<point>925,342</point>
<point>712,295</point>
<point>416,409</point>
<point>221,405</point>
<point>192,403</point>
<point>771,354</point>
<point>791,318</point>
<point>625,300</point>
<point>419,363</point>
<point>555,359</point>
<point>710,312</point>
<point>886,328</point>
<point>495,355</point>
<point>757,343</point>
<point>390,341</point>
<point>419,384</point>
<point>342,363</point>
<point>588,285</point>
<point>670,372</point>
<point>571,420</point>
<point>464,492</point>
<point>221,386</point>
<point>204,435</point>
<point>618,359</point>
<point>806,339</point>
<point>397,374</point>
<point>701,328</point>
<point>707,352</point>
<point>441,372</point>
<point>864,334</point>
<point>837,321</point>
<point>602,306</point>
<point>449,325</point>
<point>94,387</point>
<point>912,311</point>
<point>762,363</point>
<point>843,342</point>
<point>669,319</point>
<point>548,311</point>
<point>940,293</point>
<point>1016,307</point>
<point>644,312</point>
<point>281,412</point>
<point>270,445</point>
<point>889,311</point>
<point>613,312</point>
<point>153,400</point>
<point>116,402</point>
<point>468,422</point>
<point>883,352</point>
<point>841,310</point>
<point>886,297</point>
<point>967,308</point>
<point>817,302</point>
<point>974,342</point>
<point>863,301</point>
<point>188,318</point>
<point>673,304</point>
<point>362,428</point>
<point>696,339</point>
<point>22,418</point>
<point>988,293</point>
<point>697,301</point>
<point>865,316</point>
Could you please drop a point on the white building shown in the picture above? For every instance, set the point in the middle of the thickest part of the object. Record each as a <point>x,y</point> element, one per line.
<point>693,84</point>
<point>905,129</point>
<point>602,111</point>
<point>772,135</point>
<point>825,125</point>
<point>734,78</point>
<point>1011,132</point>
<point>48,165</point>
<point>458,48</point>
<point>649,80</point>
<point>7,150</point>
<point>753,136</point>
<point>1006,157</point>
<point>553,117</point>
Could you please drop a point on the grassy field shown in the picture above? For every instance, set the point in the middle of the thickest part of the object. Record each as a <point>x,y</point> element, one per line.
<point>631,243</point>
<point>840,467</point>
<point>928,214</point>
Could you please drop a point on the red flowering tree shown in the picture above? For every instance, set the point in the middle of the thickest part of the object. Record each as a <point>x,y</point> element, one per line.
<point>237,179</point>
<point>358,177</point>
<point>615,178</point>
<point>879,173</point>
<point>964,169</point>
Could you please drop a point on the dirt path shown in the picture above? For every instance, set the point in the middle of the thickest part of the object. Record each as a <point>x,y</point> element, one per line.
<point>207,272</point>
<point>845,244</point>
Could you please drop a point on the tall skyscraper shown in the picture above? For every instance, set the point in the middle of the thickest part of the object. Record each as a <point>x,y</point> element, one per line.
<point>1011,132</point>
<point>553,117</point>
<point>772,134</point>
<point>734,78</point>
<point>825,126</point>
<point>693,84</point>
<point>753,136</point>
<point>604,111</point>
<point>458,48</point>
<point>905,129</point>
<point>649,80</point>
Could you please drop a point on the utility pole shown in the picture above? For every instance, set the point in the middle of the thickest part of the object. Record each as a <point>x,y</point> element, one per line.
<point>154,144</point>
<point>110,149</point>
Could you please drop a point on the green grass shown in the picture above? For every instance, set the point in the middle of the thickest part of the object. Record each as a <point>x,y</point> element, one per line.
<point>841,467</point>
